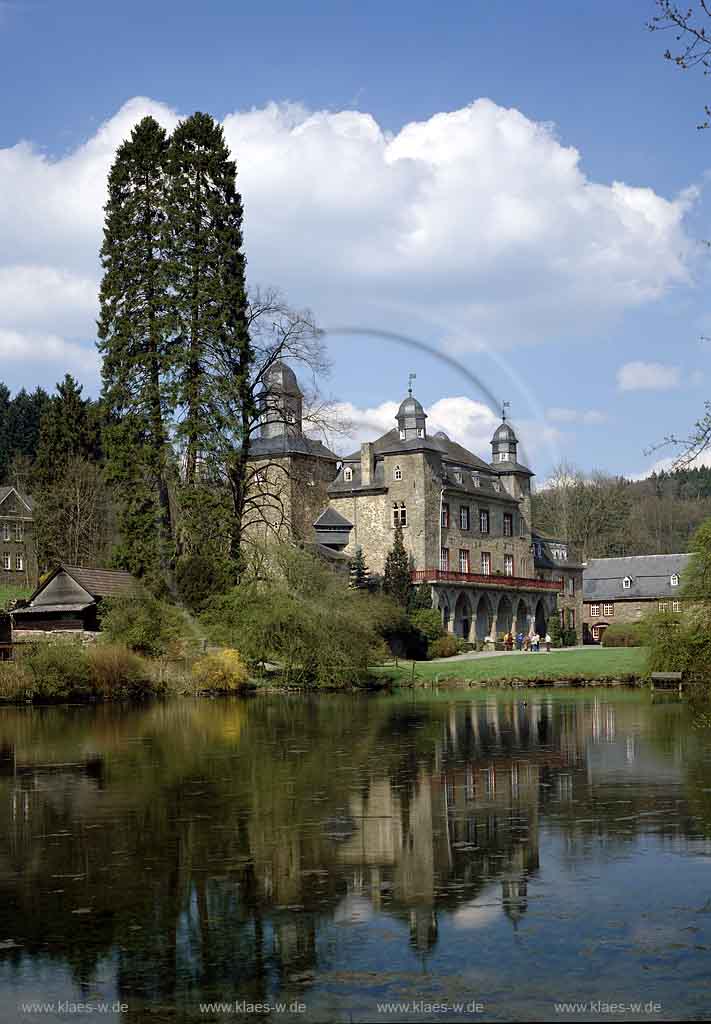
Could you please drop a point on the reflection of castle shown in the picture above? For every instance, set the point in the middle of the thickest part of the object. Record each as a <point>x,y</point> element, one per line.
<point>225,882</point>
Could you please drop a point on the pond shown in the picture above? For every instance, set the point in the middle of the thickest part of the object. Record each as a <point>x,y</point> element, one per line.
<point>462,855</point>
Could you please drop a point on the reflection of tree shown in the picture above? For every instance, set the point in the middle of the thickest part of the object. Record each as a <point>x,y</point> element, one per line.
<point>219,839</point>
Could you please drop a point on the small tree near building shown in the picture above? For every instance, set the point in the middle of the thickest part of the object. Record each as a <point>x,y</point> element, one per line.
<point>396,577</point>
<point>359,575</point>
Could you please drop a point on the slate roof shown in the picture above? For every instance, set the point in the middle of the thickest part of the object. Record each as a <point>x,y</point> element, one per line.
<point>331,518</point>
<point>511,467</point>
<point>264,447</point>
<point>453,456</point>
<point>5,490</point>
<point>650,576</point>
<point>102,582</point>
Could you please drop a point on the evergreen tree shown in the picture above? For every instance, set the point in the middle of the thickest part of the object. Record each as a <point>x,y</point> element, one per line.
<point>137,345</point>
<point>207,279</point>
<point>70,427</point>
<point>359,574</point>
<point>396,577</point>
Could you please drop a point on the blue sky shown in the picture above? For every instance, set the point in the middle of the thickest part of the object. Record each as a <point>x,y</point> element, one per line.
<point>476,229</point>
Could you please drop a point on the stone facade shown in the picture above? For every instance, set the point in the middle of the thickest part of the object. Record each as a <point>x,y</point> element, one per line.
<point>466,523</point>
<point>554,560</point>
<point>18,562</point>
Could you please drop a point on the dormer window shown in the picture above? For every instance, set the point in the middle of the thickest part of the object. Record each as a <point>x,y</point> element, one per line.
<point>497,486</point>
<point>397,475</point>
<point>348,473</point>
<point>476,479</point>
<point>458,476</point>
<point>626,583</point>
<point>402,434</point>
<point>674,581</point>
<point>420,431</point>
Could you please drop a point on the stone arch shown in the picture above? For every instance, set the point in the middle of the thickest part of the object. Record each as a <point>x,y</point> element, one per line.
<point>540,622</point>
<point>504,614</point>
<point>462,616</point>
<point>522,618</point>
<point>484,617</point>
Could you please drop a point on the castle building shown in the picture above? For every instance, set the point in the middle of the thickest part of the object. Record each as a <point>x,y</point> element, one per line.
<point>629,588</point>
<point>18,563</point>
<point>466,522</point>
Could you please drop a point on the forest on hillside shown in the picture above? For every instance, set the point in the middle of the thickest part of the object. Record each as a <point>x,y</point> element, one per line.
<point>605,516</point>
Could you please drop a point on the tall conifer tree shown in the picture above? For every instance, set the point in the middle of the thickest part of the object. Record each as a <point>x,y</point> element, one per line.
<point>396,575</point>
<point>137,344</point>
<point>207,276</point>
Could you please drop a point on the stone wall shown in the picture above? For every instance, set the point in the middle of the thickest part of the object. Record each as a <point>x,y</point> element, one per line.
<point>54,636</point>
<point>623,611</point>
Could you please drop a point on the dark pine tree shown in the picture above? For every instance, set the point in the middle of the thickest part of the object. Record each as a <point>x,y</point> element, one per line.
<point>396,576</point>
<point>136,342</point>
<point>207,273</point>
<point>359,574</point>
<point>70,427</point>
<point>214,369</point>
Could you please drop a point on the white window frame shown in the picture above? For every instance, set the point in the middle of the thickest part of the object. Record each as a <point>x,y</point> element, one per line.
<point>626,583</point>
<point>444,559</point>
<point>484,517</point>
<point>19,563</point>
<point>486,563</point>
<point>348,474</point>
<point>464,560</point>
<point>674,580</point>
<point>476,479</point>
<point>445,515</point>
<point>6,561</point>
<point>458,476</point>
<point>464,517</point>
<point>19,532</point>
<point>508,565</point>
<point>608,609</point>
<point>6,531</point>
<point>402,434</point>
<point>397,473</point>
<point>594,611</point>
<point>420,431</point>
<point>676,606</point>
<point>508,519</point>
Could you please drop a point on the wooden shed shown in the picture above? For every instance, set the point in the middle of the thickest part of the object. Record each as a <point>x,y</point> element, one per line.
<point>70,598</point>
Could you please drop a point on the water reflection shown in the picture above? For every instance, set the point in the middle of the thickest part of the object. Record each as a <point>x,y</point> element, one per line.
<point>345,850</point>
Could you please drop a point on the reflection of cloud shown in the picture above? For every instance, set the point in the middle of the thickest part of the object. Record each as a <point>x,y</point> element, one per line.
<point>477,914</point>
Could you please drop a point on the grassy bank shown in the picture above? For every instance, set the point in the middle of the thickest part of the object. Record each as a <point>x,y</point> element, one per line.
<point>626,664</point>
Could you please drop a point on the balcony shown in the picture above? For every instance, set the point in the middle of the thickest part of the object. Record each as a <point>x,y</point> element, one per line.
<point>493,580</point>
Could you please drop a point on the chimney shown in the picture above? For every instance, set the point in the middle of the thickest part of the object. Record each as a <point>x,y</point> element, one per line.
<point>366,464</point>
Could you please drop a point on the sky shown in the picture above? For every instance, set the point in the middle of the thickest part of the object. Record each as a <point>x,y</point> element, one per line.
<point>520,188</point>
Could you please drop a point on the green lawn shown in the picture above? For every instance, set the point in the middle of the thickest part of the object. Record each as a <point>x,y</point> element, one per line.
<point>590,662</point>
<point>8,593</point>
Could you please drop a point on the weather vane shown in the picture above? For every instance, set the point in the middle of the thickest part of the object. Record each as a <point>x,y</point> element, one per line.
<point>504,407</point>
<point>410,378</point>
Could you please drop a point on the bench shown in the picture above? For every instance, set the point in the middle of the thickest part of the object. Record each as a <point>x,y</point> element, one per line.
<point>667,680</point>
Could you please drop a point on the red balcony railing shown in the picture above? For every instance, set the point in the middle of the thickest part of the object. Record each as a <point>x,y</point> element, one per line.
<point>483,579</point>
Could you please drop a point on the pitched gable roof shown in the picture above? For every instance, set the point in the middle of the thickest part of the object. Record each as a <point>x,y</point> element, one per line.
<point>7,490</point>
<point>650,577</point>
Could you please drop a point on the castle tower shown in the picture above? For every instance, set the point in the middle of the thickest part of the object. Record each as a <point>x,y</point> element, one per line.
<point>282,403</point>
<point>411,418</point>
<point>515,477</point>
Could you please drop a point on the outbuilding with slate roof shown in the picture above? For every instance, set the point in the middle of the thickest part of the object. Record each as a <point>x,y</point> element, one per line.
<point>70,598</point>
<point>628,588</point>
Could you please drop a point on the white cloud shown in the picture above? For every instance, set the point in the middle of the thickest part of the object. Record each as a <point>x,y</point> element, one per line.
<point>477,224</point>
<point>588,417</point>
<point>639,376</point>
<point>464,420</point>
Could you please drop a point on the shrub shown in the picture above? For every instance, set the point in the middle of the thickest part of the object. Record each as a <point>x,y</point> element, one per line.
<point>223,672</point>
<point>569,638</point>
<point>429,622</point>
<point>145,624</point>
<point>57,671</point>
<point>120,674</point>
<point>15,681</point>
<point>303,617</point>
<point>445,647</point>
<point>623,634</point>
